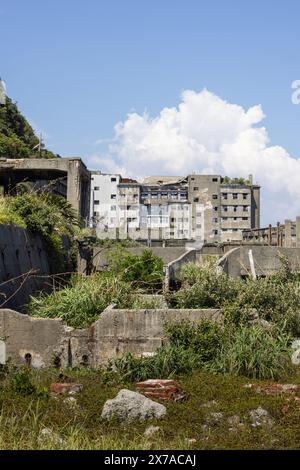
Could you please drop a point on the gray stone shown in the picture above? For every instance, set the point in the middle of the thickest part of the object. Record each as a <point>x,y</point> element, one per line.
<point>151,431</point>
<point>48,434</point>
<point>130,406</point>
<point>260,417</point>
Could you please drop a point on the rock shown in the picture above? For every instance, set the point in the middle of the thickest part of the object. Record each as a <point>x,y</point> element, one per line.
<point>235,423</point>
<point>215,418</point>
<point>161,389</point>
<point>190,441</point>
<point>48,434</point>
<point>260,417</point>
<point>151,431</point>
<point>130,406</point>
<point>71,401</point>
<point>273,389</point>
<point>66,388</point>
<point>210,404</point>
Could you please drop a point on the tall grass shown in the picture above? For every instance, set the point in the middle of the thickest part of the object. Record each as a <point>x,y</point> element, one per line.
<point>83,300</point>
<point>253,352</point>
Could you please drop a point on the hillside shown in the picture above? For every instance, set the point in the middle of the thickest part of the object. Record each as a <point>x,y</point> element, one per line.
<point>17,138</point>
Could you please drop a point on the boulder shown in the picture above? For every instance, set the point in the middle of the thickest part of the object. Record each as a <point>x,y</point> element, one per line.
<point>161,389</point>
<point>131,406</point>
<point>48,434</point>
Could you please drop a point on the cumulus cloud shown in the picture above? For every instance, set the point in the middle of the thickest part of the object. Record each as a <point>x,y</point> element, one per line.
<point>206,134</point>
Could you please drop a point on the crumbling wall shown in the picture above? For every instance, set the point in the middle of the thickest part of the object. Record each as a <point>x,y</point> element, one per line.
<point>41,342</point>
<point>267,260</point>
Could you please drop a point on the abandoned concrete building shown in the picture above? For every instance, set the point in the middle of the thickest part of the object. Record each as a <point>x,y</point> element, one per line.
<point>196,208</point>
<point>67,177</point>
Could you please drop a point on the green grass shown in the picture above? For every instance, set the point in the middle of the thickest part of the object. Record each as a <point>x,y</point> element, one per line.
<point>23,416</point>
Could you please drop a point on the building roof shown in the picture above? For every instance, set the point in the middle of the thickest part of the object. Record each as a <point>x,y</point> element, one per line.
<point>160,180</point>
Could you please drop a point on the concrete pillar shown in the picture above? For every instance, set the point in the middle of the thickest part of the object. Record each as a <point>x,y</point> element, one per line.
<point>74,186</point>
<point>288,233</point>
<point>298,232</point>
<point>278,233</point>
<point>270,235</point>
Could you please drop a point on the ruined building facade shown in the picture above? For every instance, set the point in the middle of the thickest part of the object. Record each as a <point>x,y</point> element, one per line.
<point>199,208</point>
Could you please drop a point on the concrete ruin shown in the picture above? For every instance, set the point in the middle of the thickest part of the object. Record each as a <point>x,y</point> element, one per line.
<point>68,177</point>
<point>41,342</point>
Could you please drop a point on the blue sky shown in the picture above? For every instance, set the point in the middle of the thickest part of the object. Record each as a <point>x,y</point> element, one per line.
<point>77,68</point>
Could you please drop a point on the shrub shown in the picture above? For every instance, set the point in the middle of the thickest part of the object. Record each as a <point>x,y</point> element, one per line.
<point>22,383</point>
<point>253,352</point>
<point>144,271</point>
<point>81,302</point>
<point>202,287</point>
<point>202,339</point>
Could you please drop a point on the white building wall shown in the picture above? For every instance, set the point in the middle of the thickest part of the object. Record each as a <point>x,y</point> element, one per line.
<point>104,214</point>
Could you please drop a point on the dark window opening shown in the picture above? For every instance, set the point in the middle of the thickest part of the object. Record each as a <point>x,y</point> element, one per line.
<point>28,358</point>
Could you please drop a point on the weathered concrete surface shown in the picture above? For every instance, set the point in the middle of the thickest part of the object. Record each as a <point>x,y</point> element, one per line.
<point>47,342</point>
<point>266,260</point>
<point>13,171</point>
<point>167,254</point>
<point>21,252</point>
<point>25,265</point>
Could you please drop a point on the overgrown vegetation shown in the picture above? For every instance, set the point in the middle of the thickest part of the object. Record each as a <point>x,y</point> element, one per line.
<point>47,215</point>
<point>143,271</point>
<point>79,426</point>
<point>276,298</point>
<point>81,302</point>
<point>17,138</point>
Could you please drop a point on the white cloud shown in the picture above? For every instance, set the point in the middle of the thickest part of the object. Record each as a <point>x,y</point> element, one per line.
<point>206,134</point>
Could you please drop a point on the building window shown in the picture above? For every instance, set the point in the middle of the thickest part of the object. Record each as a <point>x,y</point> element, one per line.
<point>234,196</point>
<point>224,195</point>
<point>245,218</point>
<point>96,203</point>
<point>245,196</point>
<point>113,196</point>
<point>96,188</point>
<point>225,208</point>
<point>235,218</point>
<point>215,180</point>
<point>95,214</point>
<point>215,196</point>
<point>113,179</point>
<point>215,220</point>
<point>196,188</point>
<point>216,209</point>
<point>215,232</point>
<point>234,229</point>
<point>235,208</point>
<point>245,208</point>
<point>196,199</point>
<point>198,226</point>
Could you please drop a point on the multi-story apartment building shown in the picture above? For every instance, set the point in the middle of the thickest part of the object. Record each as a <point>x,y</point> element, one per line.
<point>201,208</point>
<point>104,203</point>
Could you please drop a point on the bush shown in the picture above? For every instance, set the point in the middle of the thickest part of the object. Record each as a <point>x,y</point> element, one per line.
<point>143,271</point>
<point>22,383</point>
<point>202,287</point>
<point>253,352</point>
<point>83,300</point>
<point>202,339</point>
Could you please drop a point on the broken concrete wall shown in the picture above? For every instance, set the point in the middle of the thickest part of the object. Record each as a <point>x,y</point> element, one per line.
<point>267,260</point>
<point>167,254</point>
<point>44,342</point>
